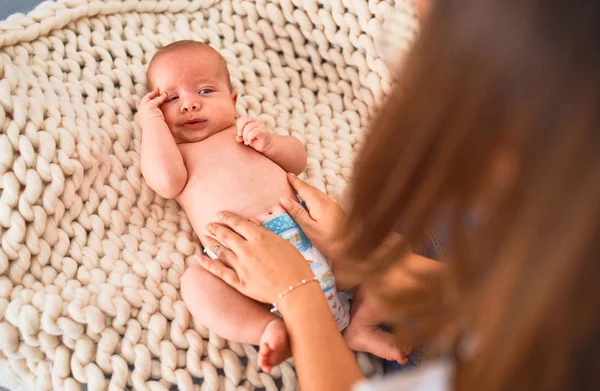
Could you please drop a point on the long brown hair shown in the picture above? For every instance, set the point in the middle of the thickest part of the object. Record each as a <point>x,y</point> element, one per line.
<point>495,128</point>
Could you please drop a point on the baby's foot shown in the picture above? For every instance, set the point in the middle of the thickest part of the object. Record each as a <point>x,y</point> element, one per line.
<point>373,340</point>
<point>274,345</point>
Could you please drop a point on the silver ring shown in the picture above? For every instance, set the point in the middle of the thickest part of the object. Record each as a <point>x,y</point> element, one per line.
<point>216,249</point>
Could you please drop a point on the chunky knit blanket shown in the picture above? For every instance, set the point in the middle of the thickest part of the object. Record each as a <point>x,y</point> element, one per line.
<point>90,257</point>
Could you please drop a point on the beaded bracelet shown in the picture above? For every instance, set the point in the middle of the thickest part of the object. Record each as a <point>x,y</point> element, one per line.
<point>291,288</point>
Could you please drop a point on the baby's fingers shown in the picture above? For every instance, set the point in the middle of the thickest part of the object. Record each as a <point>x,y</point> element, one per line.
<point>251,132</point>
<point>149,96</point>
<point>160,99</point>
<point>250,136</point>
<point>242,123</point>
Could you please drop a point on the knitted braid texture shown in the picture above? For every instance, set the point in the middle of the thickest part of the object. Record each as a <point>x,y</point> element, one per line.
<point>90,256</point>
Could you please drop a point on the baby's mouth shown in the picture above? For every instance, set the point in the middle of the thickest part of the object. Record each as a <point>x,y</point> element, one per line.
<point>194,122</point>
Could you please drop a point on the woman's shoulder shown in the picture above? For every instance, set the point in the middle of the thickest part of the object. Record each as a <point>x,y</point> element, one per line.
<point>435,376</point>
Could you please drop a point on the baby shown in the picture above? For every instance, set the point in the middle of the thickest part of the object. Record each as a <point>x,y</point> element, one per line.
<point>196,150</point>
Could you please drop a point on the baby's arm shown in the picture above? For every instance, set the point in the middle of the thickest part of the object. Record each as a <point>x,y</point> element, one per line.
<point>287,151</point>
<point>162,163</point>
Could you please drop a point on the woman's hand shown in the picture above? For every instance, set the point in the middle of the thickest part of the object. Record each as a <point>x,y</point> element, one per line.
<point>252,259</point>
<point>325,223</point>
<point>321,220</point>
<point>261,265</point>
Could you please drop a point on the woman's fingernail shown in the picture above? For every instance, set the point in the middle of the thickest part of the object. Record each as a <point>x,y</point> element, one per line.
<point>291,175</point>
<point>220,215</point>
<point>210,227</point>
<point>285,202</point>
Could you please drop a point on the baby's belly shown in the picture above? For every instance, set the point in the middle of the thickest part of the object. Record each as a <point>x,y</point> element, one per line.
<point>258,200</point>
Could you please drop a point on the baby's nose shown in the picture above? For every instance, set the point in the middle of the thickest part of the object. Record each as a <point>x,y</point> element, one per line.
<point>190,105</point>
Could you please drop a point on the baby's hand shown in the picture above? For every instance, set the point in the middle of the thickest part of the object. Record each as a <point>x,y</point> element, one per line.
<point>254,133</point>
<point>150,107</point>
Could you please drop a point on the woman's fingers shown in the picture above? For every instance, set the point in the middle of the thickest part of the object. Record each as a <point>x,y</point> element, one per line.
<point>223,253</point>
<point>240,227</point>
<point>219,270</point>
<point>254,221</point>
<point>298,214</point>
<point>309,194</point>
<point>224,234</point>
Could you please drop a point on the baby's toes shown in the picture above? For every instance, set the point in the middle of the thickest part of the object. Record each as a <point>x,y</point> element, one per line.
<point>264,352</point>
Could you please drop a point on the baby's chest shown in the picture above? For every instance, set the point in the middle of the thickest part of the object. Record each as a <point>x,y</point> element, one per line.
<point>225,162</point>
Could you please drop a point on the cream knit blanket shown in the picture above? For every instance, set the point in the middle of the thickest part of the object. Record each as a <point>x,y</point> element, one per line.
<point>90,257</point>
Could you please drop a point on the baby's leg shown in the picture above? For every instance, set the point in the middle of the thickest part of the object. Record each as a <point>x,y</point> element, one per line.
<point>221,308</point>
<point>364,333</point>
<point>233,316</point>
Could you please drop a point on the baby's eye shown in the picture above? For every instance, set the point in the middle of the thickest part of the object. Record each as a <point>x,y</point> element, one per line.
<point>172,98</point>
<point>205,91</point>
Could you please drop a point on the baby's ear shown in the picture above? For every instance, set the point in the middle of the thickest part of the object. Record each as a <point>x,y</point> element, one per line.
<point>234,96</point>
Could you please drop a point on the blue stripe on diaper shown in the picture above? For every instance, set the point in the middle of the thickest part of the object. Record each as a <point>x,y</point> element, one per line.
<point>284,226</point>
<point>325,290</point>
<point>280,223</point>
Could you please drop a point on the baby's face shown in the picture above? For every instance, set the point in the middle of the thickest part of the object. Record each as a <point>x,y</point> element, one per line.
<point>199,102</point>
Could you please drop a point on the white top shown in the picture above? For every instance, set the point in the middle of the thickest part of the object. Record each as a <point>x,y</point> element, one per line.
<point>11,381</point>
<point>435,376</point>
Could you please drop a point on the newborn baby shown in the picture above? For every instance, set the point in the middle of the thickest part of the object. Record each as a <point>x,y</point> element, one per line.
<point>195,149</point>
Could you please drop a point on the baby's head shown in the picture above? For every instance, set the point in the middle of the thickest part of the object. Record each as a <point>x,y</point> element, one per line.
<point>200,100</point>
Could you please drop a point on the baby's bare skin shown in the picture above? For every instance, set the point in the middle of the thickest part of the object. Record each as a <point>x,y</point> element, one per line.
<point>197,150</point>
<point>224,174</point>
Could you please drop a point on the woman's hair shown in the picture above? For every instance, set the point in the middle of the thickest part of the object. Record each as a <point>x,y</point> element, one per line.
<point>495,132</point>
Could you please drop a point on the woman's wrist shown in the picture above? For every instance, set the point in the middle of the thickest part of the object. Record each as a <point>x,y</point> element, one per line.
<point>320,353</point>
<point>290,289</point>
<point>304,297</point>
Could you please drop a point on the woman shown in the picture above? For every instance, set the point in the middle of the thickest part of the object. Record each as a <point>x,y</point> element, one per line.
<point>496,132</point>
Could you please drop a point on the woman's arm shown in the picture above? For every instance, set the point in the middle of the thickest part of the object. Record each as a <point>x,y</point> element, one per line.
<point>322,358</point>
